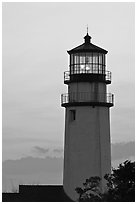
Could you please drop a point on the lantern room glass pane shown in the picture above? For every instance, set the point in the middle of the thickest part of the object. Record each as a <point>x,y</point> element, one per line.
<point>71,59</point>
<point>100,59</point>
<point>82,58</point>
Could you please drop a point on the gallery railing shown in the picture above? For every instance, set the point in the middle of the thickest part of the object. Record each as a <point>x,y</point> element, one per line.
<point>106,75</point>
<point>86,97</point>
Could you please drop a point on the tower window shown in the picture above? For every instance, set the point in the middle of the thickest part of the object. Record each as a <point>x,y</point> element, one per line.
<point>72,115</point>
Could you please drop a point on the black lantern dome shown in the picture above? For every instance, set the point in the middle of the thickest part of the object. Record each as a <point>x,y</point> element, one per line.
<point>87,46</point>
<point>87,58</point>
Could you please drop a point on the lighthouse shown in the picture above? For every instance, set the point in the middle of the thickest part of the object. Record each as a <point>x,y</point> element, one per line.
<point>87,118</point>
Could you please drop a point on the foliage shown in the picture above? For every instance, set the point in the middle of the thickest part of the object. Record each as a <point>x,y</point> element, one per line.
<point>120,183</point>
<point>91,190</point>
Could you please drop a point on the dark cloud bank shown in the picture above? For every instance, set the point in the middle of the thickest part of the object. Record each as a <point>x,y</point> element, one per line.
<point>41,150</point>
<point>123,150</point>
<point>30,165</point>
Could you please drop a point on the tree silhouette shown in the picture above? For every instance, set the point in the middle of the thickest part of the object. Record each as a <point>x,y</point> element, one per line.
<point>120,183</point>
<point>91,190</point>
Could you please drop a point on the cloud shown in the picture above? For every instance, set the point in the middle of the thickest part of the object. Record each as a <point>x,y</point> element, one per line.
<point>41,150</point>
<point>32,165</point>
<point>58,150</point>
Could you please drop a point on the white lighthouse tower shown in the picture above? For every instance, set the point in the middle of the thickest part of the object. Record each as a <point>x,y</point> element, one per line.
<point>87,123</point>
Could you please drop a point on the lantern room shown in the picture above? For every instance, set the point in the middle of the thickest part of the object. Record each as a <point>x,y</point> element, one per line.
<point>87,58</point>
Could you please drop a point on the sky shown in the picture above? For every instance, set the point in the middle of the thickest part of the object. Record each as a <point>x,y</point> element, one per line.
<point>35,38</point>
